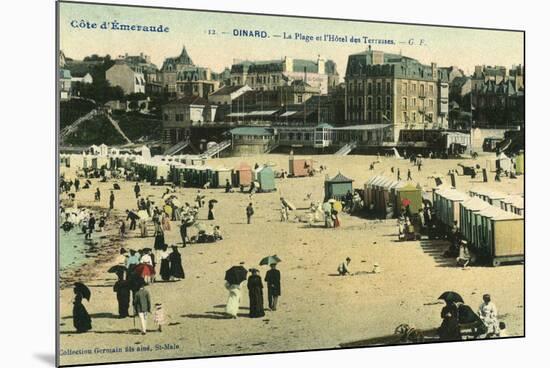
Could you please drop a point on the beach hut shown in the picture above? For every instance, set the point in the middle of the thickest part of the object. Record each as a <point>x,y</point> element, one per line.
<point>501,236</point>
<point>520,163</point>
<point>447,205</point>
<point>266,178</point>
<point>299,167</point>
<point>518,206</point>
<point>407,192</point>
<point>368,190</point>
<point>467,221</point>
<point>242,175</point>
<point>338,187</point>
<point>99,162</point>
<point>223,174</point>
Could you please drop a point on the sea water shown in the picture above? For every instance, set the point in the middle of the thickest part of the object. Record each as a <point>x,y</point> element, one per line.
<point>73,248</point>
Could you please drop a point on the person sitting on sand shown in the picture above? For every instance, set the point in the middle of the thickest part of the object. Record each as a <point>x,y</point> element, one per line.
<point>463,258</point>
<point>343,268</point>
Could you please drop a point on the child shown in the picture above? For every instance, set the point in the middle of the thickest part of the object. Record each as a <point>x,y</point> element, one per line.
<point>158,316</point>
<point>502,328</point>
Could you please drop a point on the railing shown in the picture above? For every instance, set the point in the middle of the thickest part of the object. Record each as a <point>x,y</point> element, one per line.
<point>214,150</point>
<point>346,149</point>
<point>176,148</point>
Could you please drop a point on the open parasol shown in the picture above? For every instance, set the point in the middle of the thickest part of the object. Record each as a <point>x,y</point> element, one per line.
<point>144,269</point>
<point>143,215</point>
<point>451,296</point>
<point>117,269</point>
<point>235,275</point>
<point>83,290</point>
<point>269,260</point>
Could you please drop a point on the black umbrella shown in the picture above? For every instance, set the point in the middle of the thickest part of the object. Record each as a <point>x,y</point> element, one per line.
<point>146,249</point>
<point>451,296</point>
<point>83,290</point>
<point>117,269</point>
<point>213,201</point>
<point>235,275</point>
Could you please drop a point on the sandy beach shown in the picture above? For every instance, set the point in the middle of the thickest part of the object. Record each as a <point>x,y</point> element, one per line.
<point>316,309</point>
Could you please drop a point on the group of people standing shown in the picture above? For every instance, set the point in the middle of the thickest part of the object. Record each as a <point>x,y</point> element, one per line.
<point>255,293</point>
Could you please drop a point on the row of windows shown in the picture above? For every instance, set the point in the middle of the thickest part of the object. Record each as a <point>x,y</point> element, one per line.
<point>358,86</point>
<point>405,103</point>
<point>359,101</point>
<point>414,118</point>
<point>412,88</point>
<point>378,117</point>
<point>295,136</point>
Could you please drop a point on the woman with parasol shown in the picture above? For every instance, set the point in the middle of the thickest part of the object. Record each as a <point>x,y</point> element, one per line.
<point>81,319</point>
<point>255,294</point>
<point>233,279</point>
<point>449,329</point>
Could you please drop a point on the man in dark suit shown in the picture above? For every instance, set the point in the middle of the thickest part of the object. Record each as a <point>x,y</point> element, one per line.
<point>273,280</point>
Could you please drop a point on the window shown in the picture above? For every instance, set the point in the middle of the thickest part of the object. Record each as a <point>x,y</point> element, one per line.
<point>378,102</point>
<point>369,88</point>
<point>431,103</point>
<point>413,87</point>
<point>300,98</point>
<point>421,90</point>
<point>414,116</point>
<point>404,88</point>
<point>388,114</point>
<point>378,88</point>
<point>369,114</point>
<point>388,101</point>
<point>379,116</point>
<point>369,103</point>
<point>404,103</point>
<point>431,88</point>
<point>388,87</point>
<point>405,117</point>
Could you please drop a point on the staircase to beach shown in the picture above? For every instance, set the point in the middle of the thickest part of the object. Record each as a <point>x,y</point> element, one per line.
<point>176,148</point>
<point>346,149</point>
<point>216,149</point>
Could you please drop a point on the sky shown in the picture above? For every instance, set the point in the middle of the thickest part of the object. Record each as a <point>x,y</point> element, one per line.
<point>445,46</point>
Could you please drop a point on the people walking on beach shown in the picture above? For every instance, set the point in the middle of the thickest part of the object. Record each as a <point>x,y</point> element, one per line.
<point>176,267</point>
<point>409,177</point>
<point>199,198</point>
<point>158,316</point>
<point>97,195</point>
<point>90,227</point>
<point>148,273</point>
<point>133,217</point>
<point>76,184</point>
<point>249,213</point>
<point>211,210</point>
<point>165,219</point>
<point>165,264</point>
<point>159,235</point>
<point>185,222</point>
<point>82,321</point>
<point>489,315</point>
<point>233,300</point>
<point>227,186</point>
<point>343,268</point>
<point>255,294</point>
<point>142,305</point>
<point>398,174</point>
<point>122,229</point>
<point>112,200</point>
<point>132,261</point>
<point>284,212</point>
<point>335,218</point>
<point>122,290</point>
<point>273,281</point>
<point>137,189</point>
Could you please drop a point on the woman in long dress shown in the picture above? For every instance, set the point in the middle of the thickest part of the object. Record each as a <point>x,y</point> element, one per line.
<point>81,319</point>
<point>449,329</point>
<point>122,290</point>
<point>176,268</point>
<point>165,264</point>
<point>159,236</point>
<point>255,294</point>
<point>234,299</point>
